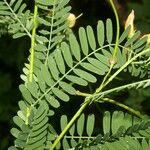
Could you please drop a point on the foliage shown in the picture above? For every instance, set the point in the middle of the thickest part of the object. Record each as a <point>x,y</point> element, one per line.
<point>60,63</point>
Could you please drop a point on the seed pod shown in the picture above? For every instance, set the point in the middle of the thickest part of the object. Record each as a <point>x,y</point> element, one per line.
<point>71,20</point>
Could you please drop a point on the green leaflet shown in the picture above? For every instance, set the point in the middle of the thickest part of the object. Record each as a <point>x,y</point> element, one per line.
<point>62,4</point>
<point>60,94</point>
<point>39,131</point>
<point>103,68</point>
<point>75,49</point>
<point>22,106</point>
<point>17,5</point>
<point>52,101</point>
<point>19,143</point>
<point>92,68</point>
<point>133,39</point>
<point>121,57</point>
<point>67,54</point>
<point>41,82</point>
<point>63,122</point>
<point>67,87</point>
<point>102,58</point>
<point>106,122</point>
<point>33,88</point>
<point>62,12</point>
<point>60,29</point>
<point>38,126</point>
<point>18,121</point>
<point>124,34</point>
<point>139,43</point>
<point>116,121</point>
<point>77,80</point>
<point>73,143</point>
<point>18,35</point>
<point>47,2</point>
<point>107,54</point>
<point>65,144</point>
<point>109,31</point>
<point>91,37</point>
<point>90,124</point>
<point>39,55</point>
<point>43,21</point>
<point>53,68</point>
<point>85,75</point>
<point>26,94</point>
<point>100,33</point>
<point>80,124</point>
<point>83,41</point>
<point>60,61</point>
<point>22,8</point>
<point>72,131</point>
<point>61,20</point>
<point>46,75</point>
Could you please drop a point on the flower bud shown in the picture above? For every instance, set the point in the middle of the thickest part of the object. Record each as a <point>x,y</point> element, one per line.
<point>130,21</point>
<point>148,37</point>
<point>71,20</point>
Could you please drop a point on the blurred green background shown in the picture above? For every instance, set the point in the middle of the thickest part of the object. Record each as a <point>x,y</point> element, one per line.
<point>14,53</point>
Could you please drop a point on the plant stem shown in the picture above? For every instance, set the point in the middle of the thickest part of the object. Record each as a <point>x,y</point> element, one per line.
<point>135,84</point>
<point>33,43</point>
<point>137,113</point>
<point>83,94</point>
<point>115,49</point>
<point>125,65</point>
<point>102,84</point>
<point>78,113</point>
<point>118,29</point>
<point>51,30</point>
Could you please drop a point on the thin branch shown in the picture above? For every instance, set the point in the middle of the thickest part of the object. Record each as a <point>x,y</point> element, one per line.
<point>135,84</point>
<point>125,65</point>
<point>118,29</point>
<point>78,113</point>
<point>137,113</point>
<point>51,30</point>
<point>115,49</point>
<point>33,43</point>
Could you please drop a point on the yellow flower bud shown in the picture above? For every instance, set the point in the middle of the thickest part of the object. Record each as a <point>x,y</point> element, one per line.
<point>71,20</point>
<point>148,37</point>
<point>130,21</point>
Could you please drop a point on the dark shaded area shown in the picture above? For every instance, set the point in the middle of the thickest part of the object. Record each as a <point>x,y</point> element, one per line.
<point>14,53</point>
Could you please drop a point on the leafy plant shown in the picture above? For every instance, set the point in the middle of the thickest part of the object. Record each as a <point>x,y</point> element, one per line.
<point>60,63</point>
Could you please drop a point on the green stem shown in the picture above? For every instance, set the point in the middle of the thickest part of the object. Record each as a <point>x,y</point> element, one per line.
<point>115,49</point>
<point>86,102</point>
<point>127,86</point>
<point>83,94</point>
<point>125,65</point>
<point>137,113</point>
<point>118,29</point>
<point>51,30</point>
<point>33,43</point>
<point>102,84</point>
